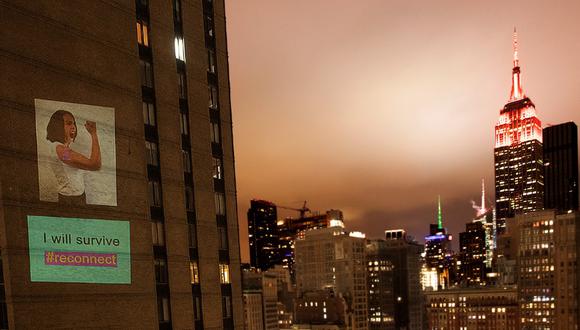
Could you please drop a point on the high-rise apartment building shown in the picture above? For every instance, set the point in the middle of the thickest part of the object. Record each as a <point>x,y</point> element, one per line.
<point>519,172</point>
<point>547,250</point>
<point>405,256</point>
<point>263,234</point>
<point>332,259</point>
<point>264,285</point>
<point>116,156</point>
<point>561,167</point>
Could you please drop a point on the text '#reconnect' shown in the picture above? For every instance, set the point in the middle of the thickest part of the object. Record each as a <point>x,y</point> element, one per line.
<point>61,258</point>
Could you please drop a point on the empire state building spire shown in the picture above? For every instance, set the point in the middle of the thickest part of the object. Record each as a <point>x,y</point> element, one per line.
<point>516,93</point>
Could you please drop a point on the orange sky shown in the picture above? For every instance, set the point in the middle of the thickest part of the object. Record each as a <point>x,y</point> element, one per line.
<point>376,107</point>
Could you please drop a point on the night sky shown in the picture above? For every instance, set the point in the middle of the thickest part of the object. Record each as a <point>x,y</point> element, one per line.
<point>376,107</point>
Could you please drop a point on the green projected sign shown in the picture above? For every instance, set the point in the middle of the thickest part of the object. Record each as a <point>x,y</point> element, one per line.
<point>79,250</point>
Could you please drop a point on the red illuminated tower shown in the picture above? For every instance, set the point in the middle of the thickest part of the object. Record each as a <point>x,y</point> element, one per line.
<point>519,181</point>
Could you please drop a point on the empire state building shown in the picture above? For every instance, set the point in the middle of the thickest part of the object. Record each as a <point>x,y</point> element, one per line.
<point>519,181</point>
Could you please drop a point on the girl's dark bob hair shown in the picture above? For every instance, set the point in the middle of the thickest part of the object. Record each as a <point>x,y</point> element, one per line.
<point>55,127</point>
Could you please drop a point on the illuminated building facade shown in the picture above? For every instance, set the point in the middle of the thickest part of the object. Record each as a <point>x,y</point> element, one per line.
<point>547,269</point>
<point>332,259</point>
<point>438,251</point>
<point>263,234</point>
<point>139,89</point>
<point>404,255</point>
<point>322,308</point>
<point>380,284</point>
<point>561,167</point>
<point>487,308</point>
<point>518,155</point>
<point>290,229</point>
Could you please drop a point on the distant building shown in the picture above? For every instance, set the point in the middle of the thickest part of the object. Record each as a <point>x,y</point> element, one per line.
<point>321,308</point>
<point>263,285</point>
<point>380,285</point>
<point>473,308</point>
<point>290,229</point>
<point>519,172</point>
<point>331,259</point>
<point>405,257</point>
<point>561,167</point>
<point>438,251</point>
<point>263,234</point>
<point>547,268</point>
<point>472,253</point>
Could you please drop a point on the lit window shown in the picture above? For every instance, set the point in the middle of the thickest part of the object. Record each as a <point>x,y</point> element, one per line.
<point>183,123</point>
<point>213,97</point>
<point>194,269</point>
<point>224,273</point>
<point>217,168</point>
<point>179,49</point>
<point>142,34</point>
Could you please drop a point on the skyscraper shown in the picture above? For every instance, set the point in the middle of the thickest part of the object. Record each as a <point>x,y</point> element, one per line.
<point>116,159</point>
<point>438,250</point>
<point>472,255</point>
<point>263,234</point>
<point>561,167</point>
<point>519,183</point>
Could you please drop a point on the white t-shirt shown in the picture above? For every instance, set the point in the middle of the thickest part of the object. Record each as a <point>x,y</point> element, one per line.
<point>70,180</point>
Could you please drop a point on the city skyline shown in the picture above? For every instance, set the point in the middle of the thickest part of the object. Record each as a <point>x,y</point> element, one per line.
<point>357,108</point>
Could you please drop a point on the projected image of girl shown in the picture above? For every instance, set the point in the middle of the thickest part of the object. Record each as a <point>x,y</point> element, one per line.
<point>68,165</point>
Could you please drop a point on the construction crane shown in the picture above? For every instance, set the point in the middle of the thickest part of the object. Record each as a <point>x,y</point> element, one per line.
<point>302,210</point>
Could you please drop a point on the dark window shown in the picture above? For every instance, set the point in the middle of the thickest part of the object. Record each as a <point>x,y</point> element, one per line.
<point>158,233</point>
<point>192,231</point>
<point>163,309</point>
<point>186,159</point>
<point>227,307</point>
<point>160,271</point>
<point>181,80</point>
<point>189,202</point>
<point>149,113</point>
<point>177,10</point>
<point>146,74</point>
<point>220,204</point>
<point>154,193</point>
<point>223,237</point>
<point>152,153</point>
<point>215,132</point>
<point>197,308</point>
